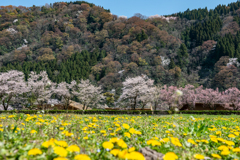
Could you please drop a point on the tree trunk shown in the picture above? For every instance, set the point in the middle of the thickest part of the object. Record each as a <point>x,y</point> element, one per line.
<point>135,103</point>
<point>155,106</point>
<point>143,106</point>
<point>5,107</point>
<point>67,103</point>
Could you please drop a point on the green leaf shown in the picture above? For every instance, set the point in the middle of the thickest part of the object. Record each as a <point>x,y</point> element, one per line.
<point>15,128</point>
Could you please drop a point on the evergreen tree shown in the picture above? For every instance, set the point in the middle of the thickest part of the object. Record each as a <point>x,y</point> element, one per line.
<point>182,56</point>
<point>171,64</point>
<point>144,36</point>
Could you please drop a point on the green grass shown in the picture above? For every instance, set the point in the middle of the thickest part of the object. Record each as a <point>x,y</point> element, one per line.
<point>197,134</point>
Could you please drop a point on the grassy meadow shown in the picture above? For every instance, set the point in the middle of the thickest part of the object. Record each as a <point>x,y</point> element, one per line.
<point>84,137</point>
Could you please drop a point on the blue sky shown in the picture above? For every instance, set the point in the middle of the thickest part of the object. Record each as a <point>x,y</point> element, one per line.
<point>130,7</point>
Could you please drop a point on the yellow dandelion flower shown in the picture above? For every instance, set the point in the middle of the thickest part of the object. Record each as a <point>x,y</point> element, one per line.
<point>176,142</point>
<point>138,132</point>
<point>192,141</point>
<point>165,140</point>
<point>131,149</point>
<point>114,140</point>
<point>112,134</point>
<point>132,130</point>
<point>134,155</point>
<point>236,149</point>
<point>121,143</point>
<point>236,133</point>
<point>118,129</point>
<point>33,131</point>
<point>103,131</point>
<point>214,140</point>
<point>73,148</point>
<point>122,154</point>
<point>153,143</point>
<point>34,151</point>
<point>126,134</point>
<point>231,136</point>
<point>115,152</point>
<point>170,156</point>
<point>126,126</point>
<point>198,156</point>
<point>61,143</point>
<point>117,125</point>
<point>68,134</point>
<point>60,151</point>
<point>107,145</point>
<point>47,144</point>
<point>85,128</point>
<point>205,141</point>
<point>222,147</point>
<point>225,152</point>
<point>60,158</point>
<point>82,157</point>
<point>216,156</point>
<point>218,133</point>
<point>230,143</point>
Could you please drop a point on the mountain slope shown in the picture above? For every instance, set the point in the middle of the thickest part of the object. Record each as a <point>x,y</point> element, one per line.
<point>80,40</point>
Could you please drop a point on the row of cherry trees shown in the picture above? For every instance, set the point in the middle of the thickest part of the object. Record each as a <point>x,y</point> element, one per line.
<point>136,92</point>
<point>140,91</point>
<point>38,88</point>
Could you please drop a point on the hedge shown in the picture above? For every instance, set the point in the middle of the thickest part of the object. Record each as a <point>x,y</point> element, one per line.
<point>136,112</point>
<point>211,112</point>
<point>131,112</point>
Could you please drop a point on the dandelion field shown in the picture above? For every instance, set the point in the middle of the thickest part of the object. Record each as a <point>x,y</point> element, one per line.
<point>84,137</point>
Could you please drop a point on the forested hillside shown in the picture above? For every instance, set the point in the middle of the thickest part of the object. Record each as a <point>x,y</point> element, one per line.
<point>79,40</point>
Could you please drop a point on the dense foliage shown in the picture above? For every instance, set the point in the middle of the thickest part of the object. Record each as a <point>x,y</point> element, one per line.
<point>79,40</point>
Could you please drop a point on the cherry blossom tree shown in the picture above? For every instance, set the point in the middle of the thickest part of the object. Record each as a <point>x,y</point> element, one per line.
<point>88,94</point>
<point>190,95</point>
<point>12,85</point>
<point>64,90</point>
<point>147,97</point>
<point>40,87</point>
<point>232,97</point>
<point>210,97</point>
<point>167,96</point>
<point>156,92</point>
<point>134,88</point>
